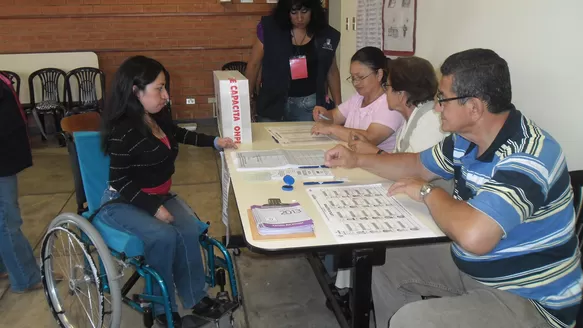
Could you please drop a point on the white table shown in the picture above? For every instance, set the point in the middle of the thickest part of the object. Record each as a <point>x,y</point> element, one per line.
<point>248,193</point>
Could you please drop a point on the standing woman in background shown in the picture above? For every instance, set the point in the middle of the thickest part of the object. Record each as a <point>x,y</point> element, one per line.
<point>295,52</point>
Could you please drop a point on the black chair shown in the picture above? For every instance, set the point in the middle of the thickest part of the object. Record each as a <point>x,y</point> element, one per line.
<point>15,80</point>
<point>235,66</point>
<point>577,183</point>
<point>84,81</point>
<point>51,102</point>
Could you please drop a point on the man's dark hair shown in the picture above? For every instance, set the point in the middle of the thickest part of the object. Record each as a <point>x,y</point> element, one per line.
<point>416,77</point>
<point>318,17</point>
<point>482,74</point>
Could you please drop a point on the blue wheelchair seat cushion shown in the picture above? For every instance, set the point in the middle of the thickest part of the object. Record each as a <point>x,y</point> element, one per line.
<point>119,241</point>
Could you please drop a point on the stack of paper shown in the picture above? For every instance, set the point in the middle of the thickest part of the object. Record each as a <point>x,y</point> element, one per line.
<point>277,159</point>
<point>298,174</point>
<point>298,135</point>
<point>281,220</point>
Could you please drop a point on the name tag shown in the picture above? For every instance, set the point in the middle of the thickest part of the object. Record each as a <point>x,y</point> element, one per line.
<point>298,67</point>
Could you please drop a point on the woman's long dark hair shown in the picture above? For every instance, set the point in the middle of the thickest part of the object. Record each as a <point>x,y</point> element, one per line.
<point>122,102</point>
<point>317,21</point>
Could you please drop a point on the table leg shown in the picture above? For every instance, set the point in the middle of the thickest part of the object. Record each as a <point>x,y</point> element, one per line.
<point>236,242</point>
<point>361,284</point>
<point>328,288</point>
<point>361,300</point>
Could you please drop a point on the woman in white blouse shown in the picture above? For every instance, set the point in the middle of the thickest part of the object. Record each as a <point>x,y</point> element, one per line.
<point>410,90</point>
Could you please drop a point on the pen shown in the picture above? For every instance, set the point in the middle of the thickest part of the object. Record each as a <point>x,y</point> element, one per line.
<point>313,167</point>
<point>275,139</point>
<point>311,183</point>
<point>323,117</point>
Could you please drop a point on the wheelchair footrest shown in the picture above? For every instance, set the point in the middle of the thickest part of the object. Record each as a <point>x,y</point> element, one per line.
<point>224,321</point>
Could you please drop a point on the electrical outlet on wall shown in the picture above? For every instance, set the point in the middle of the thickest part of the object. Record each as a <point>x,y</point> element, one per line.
<point>190,101</point>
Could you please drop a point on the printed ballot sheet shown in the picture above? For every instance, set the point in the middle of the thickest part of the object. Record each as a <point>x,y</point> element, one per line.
<point>277,159</point>
<point>296,173</point>
<point>298,135</point>
<point>364,213</point>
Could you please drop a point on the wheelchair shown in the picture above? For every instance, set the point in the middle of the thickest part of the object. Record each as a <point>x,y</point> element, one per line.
<point>92,256</point>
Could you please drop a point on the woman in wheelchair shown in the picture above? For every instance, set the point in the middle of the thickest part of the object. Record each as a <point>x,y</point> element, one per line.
<point>142,142</point>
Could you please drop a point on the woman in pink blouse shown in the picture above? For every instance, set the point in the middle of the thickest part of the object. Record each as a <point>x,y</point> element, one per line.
<point>367,112</point>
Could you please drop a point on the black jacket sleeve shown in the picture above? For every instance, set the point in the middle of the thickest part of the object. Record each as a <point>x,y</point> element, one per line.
<point>185,136</point>
<point>164,120</point>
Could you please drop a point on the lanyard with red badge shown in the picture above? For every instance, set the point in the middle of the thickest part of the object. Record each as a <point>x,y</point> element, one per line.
<point>298,64</point>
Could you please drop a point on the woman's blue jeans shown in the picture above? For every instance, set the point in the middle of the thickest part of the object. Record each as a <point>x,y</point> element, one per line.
<point>296,109</point>
<point>172,250</point>
<point>16,257</point>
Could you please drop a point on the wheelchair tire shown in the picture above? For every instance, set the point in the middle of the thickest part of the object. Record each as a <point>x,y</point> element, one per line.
<point>107,311</point>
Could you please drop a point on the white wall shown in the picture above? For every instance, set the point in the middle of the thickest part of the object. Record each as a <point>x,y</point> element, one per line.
<point>542,41</point>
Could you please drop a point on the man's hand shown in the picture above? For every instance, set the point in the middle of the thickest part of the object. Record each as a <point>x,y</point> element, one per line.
<point>409,186</point>
<point>360,144</point>
<point>226,143</point>
<point>340,156</point>
<point>322,128</point>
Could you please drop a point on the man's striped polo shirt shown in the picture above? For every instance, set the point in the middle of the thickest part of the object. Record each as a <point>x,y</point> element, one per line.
<point>522,182</point>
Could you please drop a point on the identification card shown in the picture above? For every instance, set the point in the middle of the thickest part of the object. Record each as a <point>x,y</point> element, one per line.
<point>299,67</point>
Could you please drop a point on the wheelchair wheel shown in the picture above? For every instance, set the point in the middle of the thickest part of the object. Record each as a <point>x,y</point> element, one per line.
<point>74,248</point>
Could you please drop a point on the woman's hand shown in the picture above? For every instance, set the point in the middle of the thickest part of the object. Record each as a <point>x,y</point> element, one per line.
<point>163,215</point>
<point>319,110</point>
<point>226,143</point>
<point>360,144</point>
<point>322,128</point>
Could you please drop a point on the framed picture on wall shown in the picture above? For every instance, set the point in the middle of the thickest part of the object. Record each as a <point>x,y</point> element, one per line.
<point>399,27</point>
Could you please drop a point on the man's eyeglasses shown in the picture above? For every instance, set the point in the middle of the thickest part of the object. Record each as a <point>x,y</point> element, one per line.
<point>355,80</point>
<point>441,100</point>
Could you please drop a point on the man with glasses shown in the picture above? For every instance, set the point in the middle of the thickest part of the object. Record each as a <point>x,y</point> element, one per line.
<point>513,260</point>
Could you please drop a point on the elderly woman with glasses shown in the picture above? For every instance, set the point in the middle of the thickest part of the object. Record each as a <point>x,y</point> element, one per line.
<point>367,112</point>
<point>411,87</point>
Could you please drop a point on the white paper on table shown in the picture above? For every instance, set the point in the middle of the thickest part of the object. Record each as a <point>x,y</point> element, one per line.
<point>364,213</point>
<point>225,185</point>
<point>298,174</point>
<point>298,135</point>
<point>277,159</point>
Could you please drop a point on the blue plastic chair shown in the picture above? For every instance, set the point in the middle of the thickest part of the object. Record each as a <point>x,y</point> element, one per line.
<point>123,247</point>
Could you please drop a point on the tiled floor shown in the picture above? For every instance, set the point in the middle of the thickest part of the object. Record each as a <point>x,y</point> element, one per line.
<point>47,189</point>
